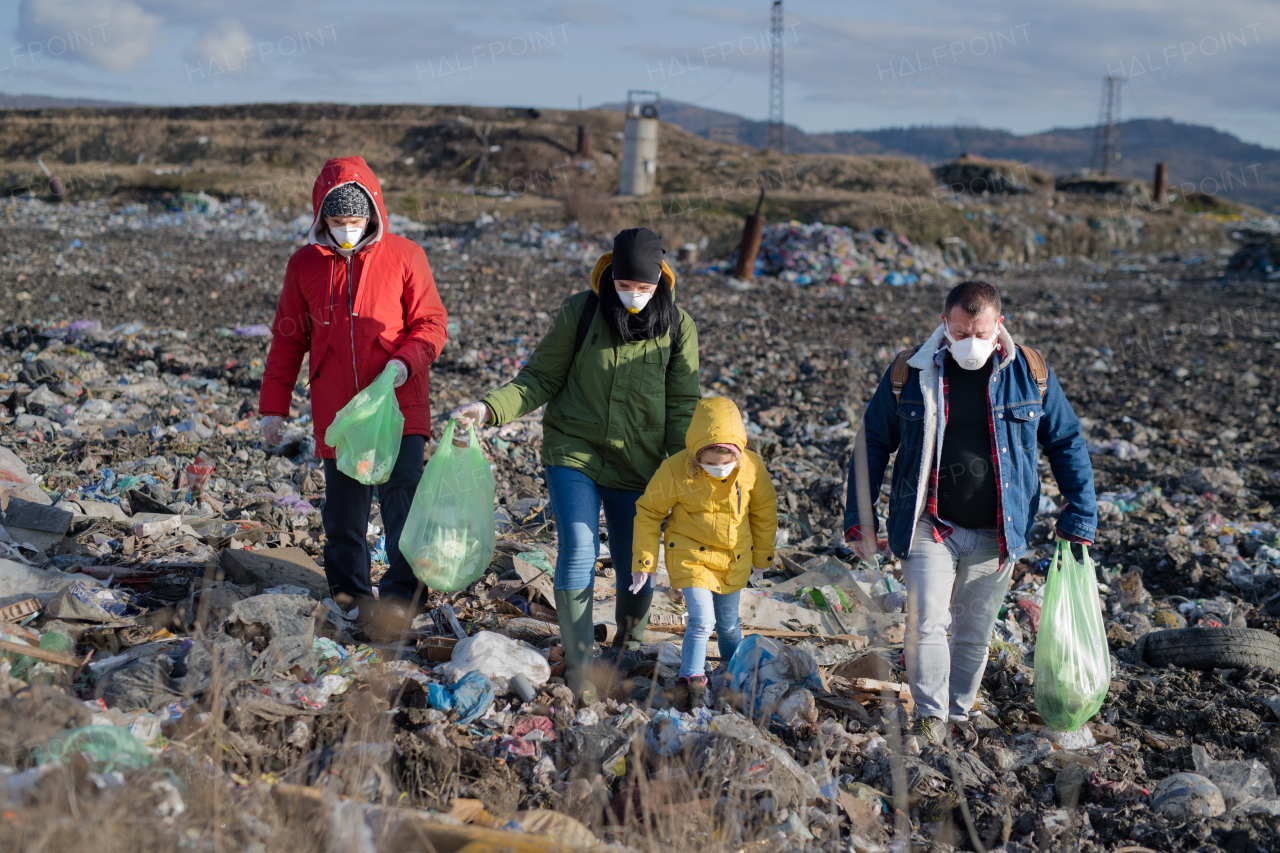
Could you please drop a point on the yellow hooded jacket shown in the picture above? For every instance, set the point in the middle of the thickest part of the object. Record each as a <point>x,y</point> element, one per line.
<point>718,529</point>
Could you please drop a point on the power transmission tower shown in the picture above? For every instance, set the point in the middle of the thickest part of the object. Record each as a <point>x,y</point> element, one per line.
<point>1106,141</point>
<point>776,139</point>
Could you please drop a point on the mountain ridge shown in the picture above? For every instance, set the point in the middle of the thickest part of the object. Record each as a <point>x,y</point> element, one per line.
<point>1214,161</point>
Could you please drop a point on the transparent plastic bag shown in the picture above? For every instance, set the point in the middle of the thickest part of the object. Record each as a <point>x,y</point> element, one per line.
<point>366,431</point>
<point>1073,662</point>
<point>449,536</point>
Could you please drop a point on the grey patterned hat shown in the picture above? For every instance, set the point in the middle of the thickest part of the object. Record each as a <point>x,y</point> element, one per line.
<point>346,200</point>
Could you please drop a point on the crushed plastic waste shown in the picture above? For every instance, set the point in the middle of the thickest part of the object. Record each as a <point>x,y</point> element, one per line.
<point>833,254</point>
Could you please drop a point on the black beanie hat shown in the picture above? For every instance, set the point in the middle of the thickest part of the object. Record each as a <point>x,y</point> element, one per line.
<point>637,256</point>
<point>346,200</point>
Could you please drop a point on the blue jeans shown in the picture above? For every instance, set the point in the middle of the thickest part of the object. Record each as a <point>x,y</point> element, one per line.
<point>708,611</point>
<point>575,503</point>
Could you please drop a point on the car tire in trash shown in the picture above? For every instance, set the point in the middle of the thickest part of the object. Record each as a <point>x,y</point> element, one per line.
<point>1213,648</point>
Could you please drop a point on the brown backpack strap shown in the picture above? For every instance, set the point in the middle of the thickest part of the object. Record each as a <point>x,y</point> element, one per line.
<point>900,372</point>
<point>1039,370</point>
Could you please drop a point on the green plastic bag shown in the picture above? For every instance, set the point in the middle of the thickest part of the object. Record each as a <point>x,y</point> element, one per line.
<point>106,747</point>
<point>449,535</point>
<point>366,432</point>
<point>1073,662</point>
<point>824,598</point>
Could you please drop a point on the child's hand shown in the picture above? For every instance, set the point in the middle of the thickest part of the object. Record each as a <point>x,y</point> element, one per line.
<point>638,580</point>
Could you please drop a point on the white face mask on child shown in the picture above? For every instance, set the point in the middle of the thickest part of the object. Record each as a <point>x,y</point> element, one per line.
<point>719,471</point>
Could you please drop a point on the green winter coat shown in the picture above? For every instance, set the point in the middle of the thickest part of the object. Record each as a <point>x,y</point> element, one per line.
<point>614,411</point>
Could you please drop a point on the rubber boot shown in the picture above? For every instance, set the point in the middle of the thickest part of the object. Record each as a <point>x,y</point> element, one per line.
<point>577,634</point>
<point>631,613</point>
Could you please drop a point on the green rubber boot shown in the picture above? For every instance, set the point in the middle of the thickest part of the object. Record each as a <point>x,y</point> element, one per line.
<point>577,634</point>
<point>632,615</point>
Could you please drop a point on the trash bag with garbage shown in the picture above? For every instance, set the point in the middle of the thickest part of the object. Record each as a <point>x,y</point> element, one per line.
<point>366,431</point>
<point>449,536</point>
<point>1072,660</point>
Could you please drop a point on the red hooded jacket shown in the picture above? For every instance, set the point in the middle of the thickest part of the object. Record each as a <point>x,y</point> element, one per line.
<point>353,315</point>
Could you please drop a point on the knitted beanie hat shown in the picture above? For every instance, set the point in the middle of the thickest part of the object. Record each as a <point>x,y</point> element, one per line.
<point>346,200</point>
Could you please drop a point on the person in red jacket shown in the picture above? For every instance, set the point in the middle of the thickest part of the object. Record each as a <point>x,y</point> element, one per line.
<point>356,299</point>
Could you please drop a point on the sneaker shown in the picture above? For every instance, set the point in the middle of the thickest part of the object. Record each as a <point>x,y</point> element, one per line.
<point>691,693</point>
<point>930,730</point>
<point>963,734</point>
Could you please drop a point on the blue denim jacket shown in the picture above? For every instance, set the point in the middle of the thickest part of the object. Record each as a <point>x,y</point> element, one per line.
<point>1024,424</point>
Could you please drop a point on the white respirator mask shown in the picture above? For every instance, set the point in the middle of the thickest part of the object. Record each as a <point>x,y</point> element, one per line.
<point>971,353</point>
<point>633,302</point>
<point>346,236</point>
<point>719,471</point>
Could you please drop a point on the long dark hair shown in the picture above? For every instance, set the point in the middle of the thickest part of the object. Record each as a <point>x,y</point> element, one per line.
<point>656,319</point>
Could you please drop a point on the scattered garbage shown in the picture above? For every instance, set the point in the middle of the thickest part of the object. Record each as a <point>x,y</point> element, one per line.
<point>1184,797</point>
<point>499,658</point>
<point>774,680</point>
<point>162,577</point>
<point>470,696</point>
<point>1244,785</point>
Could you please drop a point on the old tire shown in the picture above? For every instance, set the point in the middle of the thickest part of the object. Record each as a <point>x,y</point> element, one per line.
<point>1213,648</point>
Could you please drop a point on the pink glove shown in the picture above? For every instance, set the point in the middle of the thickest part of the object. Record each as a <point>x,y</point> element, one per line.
<point>638,580</point>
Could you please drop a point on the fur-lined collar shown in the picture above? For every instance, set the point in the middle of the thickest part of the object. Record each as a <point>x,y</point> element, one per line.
<point>928,354</point>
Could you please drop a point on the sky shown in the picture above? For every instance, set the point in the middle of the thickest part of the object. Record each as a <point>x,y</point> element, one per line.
<point>850,64</point>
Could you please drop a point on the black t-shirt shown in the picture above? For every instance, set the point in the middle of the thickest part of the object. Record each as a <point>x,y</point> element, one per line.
<point>966,476</point>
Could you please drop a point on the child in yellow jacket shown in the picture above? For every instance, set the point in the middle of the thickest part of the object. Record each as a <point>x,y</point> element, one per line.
<point>723,519</point>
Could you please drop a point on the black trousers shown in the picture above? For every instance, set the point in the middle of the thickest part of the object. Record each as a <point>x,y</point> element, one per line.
<point>346,510</point>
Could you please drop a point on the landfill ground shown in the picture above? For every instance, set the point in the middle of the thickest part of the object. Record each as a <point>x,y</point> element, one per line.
<point>180,705</point>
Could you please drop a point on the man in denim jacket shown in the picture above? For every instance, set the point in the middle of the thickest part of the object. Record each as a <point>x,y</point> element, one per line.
<point>967,426</point>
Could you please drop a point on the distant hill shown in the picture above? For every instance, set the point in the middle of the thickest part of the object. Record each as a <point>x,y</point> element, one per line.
<point>1216,162</point>
<point>48,102</point>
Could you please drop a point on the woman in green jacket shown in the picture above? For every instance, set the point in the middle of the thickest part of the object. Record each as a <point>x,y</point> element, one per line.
<point>618,373</point>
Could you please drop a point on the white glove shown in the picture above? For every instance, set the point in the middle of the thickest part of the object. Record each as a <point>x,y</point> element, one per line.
<point>271,429</point>
<point>471,413</point>
<point>402,371</point>
<point>638,580</point>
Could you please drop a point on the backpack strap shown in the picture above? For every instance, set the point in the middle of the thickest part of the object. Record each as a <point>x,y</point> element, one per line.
<point>584,320</point>
<point>675,336</point>
<point>1039,370</point>
<point>900,371</point>
<point>589,313</point>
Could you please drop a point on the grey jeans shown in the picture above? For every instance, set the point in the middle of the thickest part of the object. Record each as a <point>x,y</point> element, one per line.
<point>956,585</point>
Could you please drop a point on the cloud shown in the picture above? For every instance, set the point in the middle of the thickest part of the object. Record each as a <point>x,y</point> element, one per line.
<point>114,35</point>
<point>225,44</point>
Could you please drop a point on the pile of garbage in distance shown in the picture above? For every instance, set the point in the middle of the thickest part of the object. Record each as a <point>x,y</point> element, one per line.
<point>833,254</point>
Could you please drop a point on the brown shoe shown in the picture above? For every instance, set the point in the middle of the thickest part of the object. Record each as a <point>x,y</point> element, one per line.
<point>389,620</point>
